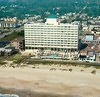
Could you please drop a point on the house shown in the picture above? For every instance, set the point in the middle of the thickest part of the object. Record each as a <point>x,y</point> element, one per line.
<point>89,53</point>
<point>2,51</point>
<point>91,56</point>
<point>98,56</point>
<point>9,51</point>
<point>97,40</point>
<point>89,37</point>
<point>18,43</point>
<point>82,58</point>
<point>8,24</point>
<point>96,30</point>
<point>92,26</point>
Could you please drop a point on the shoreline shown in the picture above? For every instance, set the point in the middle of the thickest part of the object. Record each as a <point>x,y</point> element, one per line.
<point>27,93</point>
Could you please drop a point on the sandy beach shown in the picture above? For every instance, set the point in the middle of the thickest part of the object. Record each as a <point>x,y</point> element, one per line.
<point>59,81</point>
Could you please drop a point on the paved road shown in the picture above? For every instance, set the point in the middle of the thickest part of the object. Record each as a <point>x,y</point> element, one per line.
<point>5,34</point>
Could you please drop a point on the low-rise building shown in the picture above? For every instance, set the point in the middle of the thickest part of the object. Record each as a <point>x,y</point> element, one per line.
<point>98,56</point>
<point>8,24</point>
<point>89,37</point>
<point>91,53</point>
<point>97,40</point>
<point>96,30</point>
<point>2,51</point>
<point>91,27</point>
<point>82,58</point>
<point>18,43</point>
<point>7,51</point>
<point>89,57</point>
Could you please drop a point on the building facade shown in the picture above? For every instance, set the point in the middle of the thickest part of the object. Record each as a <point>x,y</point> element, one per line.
<point>51,35</point>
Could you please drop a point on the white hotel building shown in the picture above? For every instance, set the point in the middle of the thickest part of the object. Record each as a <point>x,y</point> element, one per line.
<point>52,36</point>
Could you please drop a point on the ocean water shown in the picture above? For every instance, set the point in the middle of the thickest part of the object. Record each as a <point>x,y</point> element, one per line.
<point>8,95</point>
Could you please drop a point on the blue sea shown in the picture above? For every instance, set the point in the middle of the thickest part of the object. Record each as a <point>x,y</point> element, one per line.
<point>8,95</point>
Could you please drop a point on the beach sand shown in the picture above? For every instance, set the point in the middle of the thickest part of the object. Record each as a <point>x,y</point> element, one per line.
<point>43,81</point>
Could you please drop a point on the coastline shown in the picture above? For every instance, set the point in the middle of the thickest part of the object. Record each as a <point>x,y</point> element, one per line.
<point>27,93</point>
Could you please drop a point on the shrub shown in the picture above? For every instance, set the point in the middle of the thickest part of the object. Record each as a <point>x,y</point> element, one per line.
<point>70,70</point>
<point>2,63</point>
<point>93,72</point>
<point>82,70</point>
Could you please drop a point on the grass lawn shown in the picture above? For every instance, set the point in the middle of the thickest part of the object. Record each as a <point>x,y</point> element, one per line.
<point>63,62</point>
<point>18,59</point>
<point>9,37</point>
<point>2,63</point>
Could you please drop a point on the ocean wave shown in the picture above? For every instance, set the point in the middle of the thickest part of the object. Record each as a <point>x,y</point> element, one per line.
<point>8,95</point>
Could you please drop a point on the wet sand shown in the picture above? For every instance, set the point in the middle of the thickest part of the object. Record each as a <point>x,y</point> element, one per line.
<point>27,93</point>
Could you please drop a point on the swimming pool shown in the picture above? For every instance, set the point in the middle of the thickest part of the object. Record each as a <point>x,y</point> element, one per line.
<point>52,56</point>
